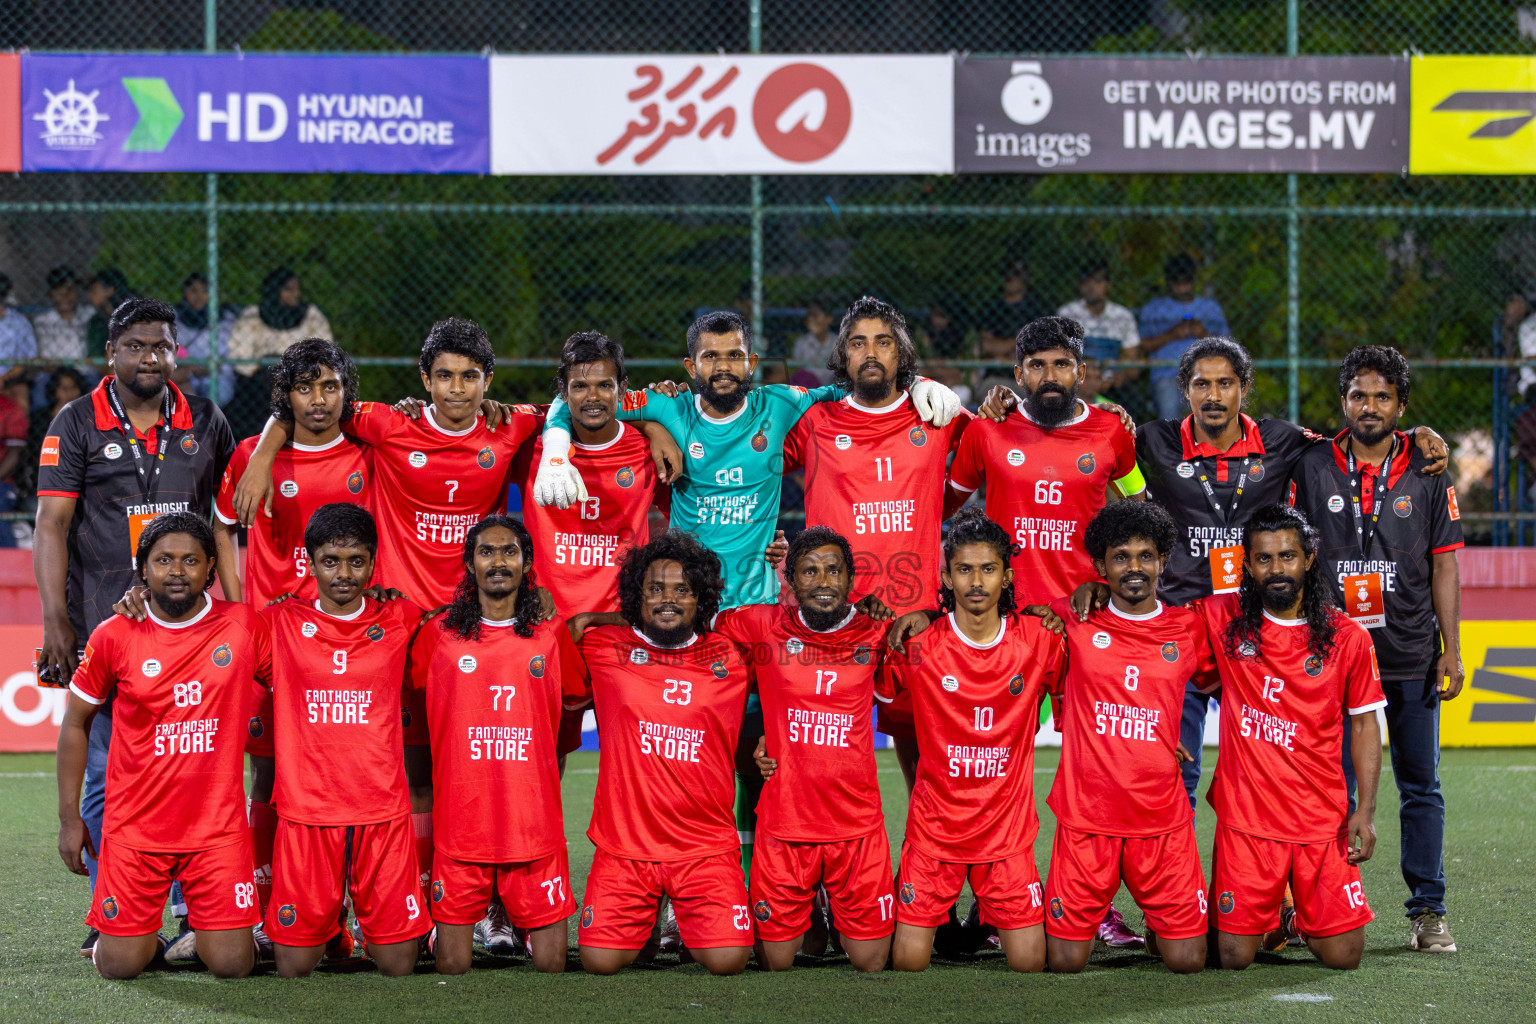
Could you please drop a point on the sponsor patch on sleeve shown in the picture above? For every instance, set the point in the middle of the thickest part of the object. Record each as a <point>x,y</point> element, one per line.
<point>50,452</point>
<point>1450,502</point>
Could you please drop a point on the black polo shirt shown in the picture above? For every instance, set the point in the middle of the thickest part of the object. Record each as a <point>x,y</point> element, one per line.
<point>1419,519</point>
<point>87,456</point>
<point>1174,461</point>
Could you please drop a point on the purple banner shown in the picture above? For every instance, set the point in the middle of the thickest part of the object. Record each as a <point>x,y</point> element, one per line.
<point>371,115</point>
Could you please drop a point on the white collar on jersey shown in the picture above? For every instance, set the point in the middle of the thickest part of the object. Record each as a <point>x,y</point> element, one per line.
<point>194,620</point>
<point>342,618</point>
<point>1065,423</point>
<point>692,639</point>
<point>498,622</point>
<point>430,418</point>
<point>1292,623</point>
<point>1002,629</point>
<point>853,403</point>
<point>615,439</point>
<point>332,443</point>
<point>698,403</point>
<point>852,611</point>
<point>1137,618</point>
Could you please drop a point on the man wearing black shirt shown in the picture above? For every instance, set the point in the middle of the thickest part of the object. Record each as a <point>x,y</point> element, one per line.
<point>112,460</point>
<point>1389,537</point>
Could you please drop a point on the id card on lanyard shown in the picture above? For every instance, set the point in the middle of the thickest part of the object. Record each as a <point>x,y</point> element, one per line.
<point>1364,600</point>
<point>145,465</point>
<point>1226,563</point>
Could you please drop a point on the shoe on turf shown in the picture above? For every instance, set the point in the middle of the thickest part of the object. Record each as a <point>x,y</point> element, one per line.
<point>341,945</point>
<point>497,936</point>
<point>183,948</point>
<point>814,942</point>
<point>1428,933</point>
<point>1116,934</point>
<point>671,940</point>
<point>1278,938</point>
<point>263,944</point>
<point>88,947</point>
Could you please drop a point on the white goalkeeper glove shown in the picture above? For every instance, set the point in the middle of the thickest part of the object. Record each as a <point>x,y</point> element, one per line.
<point>558,482</point>
<point>935,403</point>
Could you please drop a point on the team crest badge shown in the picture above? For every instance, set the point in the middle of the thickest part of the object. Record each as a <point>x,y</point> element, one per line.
<point>1247,649</point>
<point>794,645</point>
<point>638,656</point>
<point>759,441</point>
<point>1336,503</point>
<point>486,459</point>
<point>287,914</point>
<point>1170,651</point>
<point>189,444</point>
<point>624,477</point>
<point>113,450</point>
<point>1185,470</point>
<point>109,907</point>
<point>1057,910</point>
<point>1016,685</point>
<point>467,664</point>
<point>417,459</point>
<point>437,890</point>
<point>1015,457</point>
<point>950,684</point>
<point>695,450</point>
<point>586,917</point>
<point>719,670</point>
<point>907,893</point>
<point>1256,472</point>
<point>918,436</point>
<point>288,488</point>
<point>1101,640</point>
<point>1085,463</point>
<point>355,483</point>
<point>150,668</point>
<point>1225,902</point>
<point>861,656</point>
<point>1314,665</point>
<point>255,728</point>
<point>761,910</point>
<point>222,656</point>
<point>1403,506</point>
<point>536,666</point>
<point>843,442</point>
<point>309,629</point>
<point>375,633</point>
<point>405,716</point>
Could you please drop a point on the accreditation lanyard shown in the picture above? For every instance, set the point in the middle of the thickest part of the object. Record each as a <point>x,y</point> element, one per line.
<point>1378,496</point>
<point>1225,516</point>
<point>147,469</point>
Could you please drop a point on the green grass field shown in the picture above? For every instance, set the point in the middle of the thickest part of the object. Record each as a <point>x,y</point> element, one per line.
<point>1490,861</point>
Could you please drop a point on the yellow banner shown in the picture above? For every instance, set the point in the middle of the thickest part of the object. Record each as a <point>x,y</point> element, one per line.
<point>1472,115</point>
<point>1497,708</point>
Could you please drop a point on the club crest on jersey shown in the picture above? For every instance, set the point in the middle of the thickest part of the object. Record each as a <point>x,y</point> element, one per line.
<point>1314,665</point>
<point>759,441</point>
<point>624,477</point>
<point>150,668</point>
<point>1256,472</point>
<point>586,917</point>
<point>109,907</point>
<point>355,483</point>
<point>536,666</point>
<point>189,444</point>
<point>1185,470</point>
<point>843,442</point>
<point>695,450</point>
<point>375,633</point>
<point>950,684</point>
<point>719,670</point>
<point>309,629</point>
<point>222,656</point>
<point>1016,685</point>
<point>255,728</point>
<point>113,450</point>
<point>1170,651</point>
<point>468,664</point>
<point>1057,910</point>
<point>405,716</point>
<point>1402,506</point>
<point>918,436</point>
<point>1101,640</point>
<point>1336,503</point>
<point>908,894</point>
<point>1085,463</point>
<point>1225,902</point>
<point>287,914</point>
<point>437,890</point>
<point>1015,457</point>
<point>794,645</point>
<point>861,656</point>
<point>638,656</point>
<point>761,910</point>
<point>417,459</point>
<point>288,488</point>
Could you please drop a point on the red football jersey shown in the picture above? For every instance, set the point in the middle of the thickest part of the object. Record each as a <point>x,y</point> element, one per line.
<point>577,551</point>
<point>176,768</point>
<point>1043,487</point>
<point>304,477</point>
<point>1122,685</point>
<point>430,486</point>
<point>876,476</point>
<point>1282,725</point>
<point>667,720</point>
<point>817,689</point>
<point>336,707</point>
<point>977,709</point>
<point>493,711</point>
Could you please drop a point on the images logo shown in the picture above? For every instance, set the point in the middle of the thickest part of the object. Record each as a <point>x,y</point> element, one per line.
<point>1027,96</point>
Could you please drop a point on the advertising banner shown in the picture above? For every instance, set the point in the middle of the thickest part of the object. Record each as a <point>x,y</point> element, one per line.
<point>10,112</point>
<point>30,715</point>
<point>1497,707</point>
<point>722,114</point>
<point>1472,115</point>
<point>371,115</point>
<point>1238,115</point>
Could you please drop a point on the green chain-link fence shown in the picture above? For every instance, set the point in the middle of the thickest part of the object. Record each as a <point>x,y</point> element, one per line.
<point>1305,266</point>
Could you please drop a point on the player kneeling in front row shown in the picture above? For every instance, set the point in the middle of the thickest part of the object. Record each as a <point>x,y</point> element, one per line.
<point>336,666</point>
<point>977,678</point>
<point>1119,801</point>
<point>182,682</point>
<point>1292,667</point>
<point>495,679</point>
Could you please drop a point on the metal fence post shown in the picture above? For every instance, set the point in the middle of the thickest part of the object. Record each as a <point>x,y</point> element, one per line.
<point>755,45</point>
<point>1292,256</point>
<point>211,220</point>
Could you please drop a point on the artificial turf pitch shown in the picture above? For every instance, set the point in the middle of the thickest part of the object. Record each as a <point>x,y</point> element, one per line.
<point>1490,857</point>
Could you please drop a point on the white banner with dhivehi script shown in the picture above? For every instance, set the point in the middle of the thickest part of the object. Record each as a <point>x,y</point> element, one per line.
<point>722,114</point>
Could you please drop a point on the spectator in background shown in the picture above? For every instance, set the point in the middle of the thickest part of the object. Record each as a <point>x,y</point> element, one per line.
<point>1170,324</point>
<point>998,323</point>
<point>1520,339</point>
<point>63,386</point>
<point>815,346</point>
<point>265,331</point>
<point>1102,319</point>
<point>61,331</point>
<point>106,291</point>
<point>196,331</point>
<point>16,338</point>
<point>13,441</point>
<point>942,332</point>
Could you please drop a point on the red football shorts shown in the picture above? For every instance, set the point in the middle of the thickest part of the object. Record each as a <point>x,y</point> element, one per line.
<point>569,738</point>
<point>894,717</point>
<point>1008,890</point>
<point>131,887</point>
<point>258,731</point>
<point>623,895</point>
<point>1162,872</point>
<point>535,892</point>
<point>315,866</point>
<point>857,876</point>
<point>413,717</point>
<point>1248,876</point>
